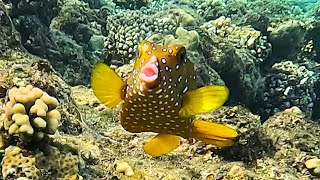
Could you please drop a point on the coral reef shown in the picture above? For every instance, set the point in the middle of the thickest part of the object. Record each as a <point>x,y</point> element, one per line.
<point>189,39</point>
<point>18,163</point>
<point>64,164</point>
<point>15,165</point>
<point>228,41</point>
<point>127,28</point>
<point>31,113</point>
<point>243,37</point>
<point>288,85</point>
<point>286,37</point>
<point>131,4</point>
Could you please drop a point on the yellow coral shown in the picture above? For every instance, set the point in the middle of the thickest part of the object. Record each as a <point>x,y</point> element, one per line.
<point>31,113</point>
<point>189,39</point>
<point>123,167</point>
<point>15,164</point>
<point>314,166</point>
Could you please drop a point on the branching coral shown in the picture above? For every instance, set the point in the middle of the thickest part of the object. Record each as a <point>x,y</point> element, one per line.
<point>31,113</point>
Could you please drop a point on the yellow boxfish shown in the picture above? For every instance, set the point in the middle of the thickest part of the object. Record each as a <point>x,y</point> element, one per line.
<point>161,96</point>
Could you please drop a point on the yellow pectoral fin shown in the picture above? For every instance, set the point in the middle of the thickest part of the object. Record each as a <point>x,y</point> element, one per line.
<point>213,133</point>
<point>161,144</point>
<point>202,100</point>
<point>107,86</point>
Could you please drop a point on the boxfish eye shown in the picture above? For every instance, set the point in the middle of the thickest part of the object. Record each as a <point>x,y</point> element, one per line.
<point>138,52</point>
<point>182,54</point>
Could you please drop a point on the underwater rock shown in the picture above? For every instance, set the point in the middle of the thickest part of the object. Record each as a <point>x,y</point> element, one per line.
<point>314,36</point>
<point>78,21</point>
<point>40,38</point>
<point>287,37</point>
<point>131,4</point>
<point>9,38</point>
<point>290,129</point>
<point>236,67</point>
<point>43,10</point>
<point>252,143</point>
<point>294,136</point>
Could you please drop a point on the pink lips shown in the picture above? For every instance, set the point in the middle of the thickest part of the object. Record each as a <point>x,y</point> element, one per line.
<point>149,71</point>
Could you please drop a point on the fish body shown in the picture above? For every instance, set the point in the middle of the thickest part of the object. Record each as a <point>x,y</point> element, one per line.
<point>156,108</point>
<point>161,96</point>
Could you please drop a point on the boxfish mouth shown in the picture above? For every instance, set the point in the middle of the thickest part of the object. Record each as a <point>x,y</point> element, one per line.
<point>149,72</point>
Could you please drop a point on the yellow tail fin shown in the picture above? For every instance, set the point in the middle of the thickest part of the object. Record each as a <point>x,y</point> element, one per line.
<point>107,86</point>
<point>161,144</point>
<point>213,133</point>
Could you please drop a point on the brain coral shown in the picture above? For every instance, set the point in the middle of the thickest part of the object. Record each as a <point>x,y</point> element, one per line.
<point>31,113</point>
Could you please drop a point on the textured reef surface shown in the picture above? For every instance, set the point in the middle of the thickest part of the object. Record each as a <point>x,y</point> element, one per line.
<point>266,52</point>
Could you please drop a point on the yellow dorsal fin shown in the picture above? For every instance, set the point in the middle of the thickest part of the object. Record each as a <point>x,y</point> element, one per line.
<point>161,144</point>
<point>107,86</point>
<point>202,100</point>
<point>213,133</point>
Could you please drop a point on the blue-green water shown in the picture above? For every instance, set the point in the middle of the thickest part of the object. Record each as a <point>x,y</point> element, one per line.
<point>266,52</point>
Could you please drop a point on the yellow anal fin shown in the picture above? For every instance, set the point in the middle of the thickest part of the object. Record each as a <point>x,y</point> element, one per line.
<point>161,144</point>
<point>107,86</point>
<point>213,133</point>
<point>202,100</point>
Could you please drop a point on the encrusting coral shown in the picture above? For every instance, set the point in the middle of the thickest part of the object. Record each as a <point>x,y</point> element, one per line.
<point>31,113</point>
<point>19,163</point>
<point>15,163</point>
<point>65,164</point>
<point>246,37</point>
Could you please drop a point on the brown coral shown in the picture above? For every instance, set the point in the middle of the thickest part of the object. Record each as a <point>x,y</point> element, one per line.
<point>66,165</point>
